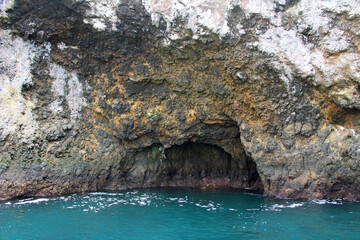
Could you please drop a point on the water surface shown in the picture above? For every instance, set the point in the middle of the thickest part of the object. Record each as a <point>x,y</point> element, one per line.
<point>177,214</point>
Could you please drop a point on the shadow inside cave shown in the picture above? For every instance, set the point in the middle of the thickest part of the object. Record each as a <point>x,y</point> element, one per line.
<point>193,165</point>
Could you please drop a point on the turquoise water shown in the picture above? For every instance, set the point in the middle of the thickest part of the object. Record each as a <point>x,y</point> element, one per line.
<point>177,214</point>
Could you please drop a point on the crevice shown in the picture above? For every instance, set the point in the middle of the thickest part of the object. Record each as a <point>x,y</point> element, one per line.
<point>253,178</point>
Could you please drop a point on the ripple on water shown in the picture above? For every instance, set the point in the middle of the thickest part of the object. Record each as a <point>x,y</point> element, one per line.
<point>177,213</point>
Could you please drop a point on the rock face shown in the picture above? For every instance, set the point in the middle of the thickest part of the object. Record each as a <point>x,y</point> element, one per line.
<point>114,94</point>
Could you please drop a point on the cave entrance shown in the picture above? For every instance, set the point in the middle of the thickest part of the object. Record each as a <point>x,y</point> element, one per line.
<point>201,165</point>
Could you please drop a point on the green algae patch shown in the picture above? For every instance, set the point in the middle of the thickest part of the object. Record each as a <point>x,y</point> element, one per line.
<point>158,153</point>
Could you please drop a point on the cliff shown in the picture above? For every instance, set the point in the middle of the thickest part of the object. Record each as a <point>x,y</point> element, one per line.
<point>115,94</point>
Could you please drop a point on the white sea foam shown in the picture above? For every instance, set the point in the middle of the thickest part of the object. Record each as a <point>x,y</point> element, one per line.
<point>278,207</point>
<point>296,205</point>
<point>252,209</point>
<point>325,201</point>
<point>182,200</point>
<point>106,194</point>
<point>254,194</point>
<point>21,202</point>
<point>142,203</point>
<point>210,205</point>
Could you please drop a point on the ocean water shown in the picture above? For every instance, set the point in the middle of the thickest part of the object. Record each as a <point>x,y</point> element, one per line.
<point>177,214</point>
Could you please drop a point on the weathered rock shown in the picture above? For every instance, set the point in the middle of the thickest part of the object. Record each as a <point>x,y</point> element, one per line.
<point>115,94</point>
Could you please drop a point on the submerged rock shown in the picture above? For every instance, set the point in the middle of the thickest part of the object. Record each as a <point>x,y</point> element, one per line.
<point>116,94</point>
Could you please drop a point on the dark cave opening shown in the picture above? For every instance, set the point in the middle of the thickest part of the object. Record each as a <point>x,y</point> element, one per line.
<point>199,165</point>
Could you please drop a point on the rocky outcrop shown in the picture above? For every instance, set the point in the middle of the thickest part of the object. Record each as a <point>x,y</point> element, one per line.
<point>114,94</point>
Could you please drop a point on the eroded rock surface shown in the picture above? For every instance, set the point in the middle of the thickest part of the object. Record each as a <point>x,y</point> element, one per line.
<point>114,94</point>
